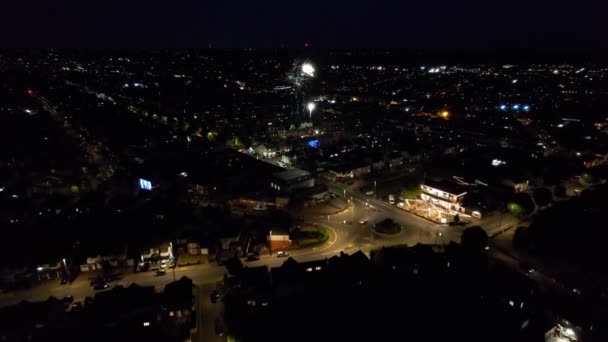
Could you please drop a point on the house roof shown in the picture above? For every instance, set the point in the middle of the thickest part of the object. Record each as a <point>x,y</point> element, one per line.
<point>291,174</point>
<point>446,186</point>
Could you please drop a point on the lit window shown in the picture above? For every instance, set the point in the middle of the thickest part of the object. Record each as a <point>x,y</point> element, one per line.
<point>318,268</point>
<point>309,269</point>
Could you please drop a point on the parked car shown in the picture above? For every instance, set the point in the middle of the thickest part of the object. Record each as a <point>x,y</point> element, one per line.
<point>76,307</point>
<point>100,286</point>
<point>252,257</point>
<point>219,327</point>
<point>214,296</point>
<point>281,254</point>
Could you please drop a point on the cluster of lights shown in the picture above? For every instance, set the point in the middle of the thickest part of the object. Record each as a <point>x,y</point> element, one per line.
<point>504,107</point>
<point>436,70</point>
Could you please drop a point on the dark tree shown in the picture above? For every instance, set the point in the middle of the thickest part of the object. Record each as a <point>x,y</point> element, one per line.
<point>521,204</point>
<point>542,196</point>
<point>474,238</point>
<point>559,191</point>
<point>521,238</point>
<point>234,265</point>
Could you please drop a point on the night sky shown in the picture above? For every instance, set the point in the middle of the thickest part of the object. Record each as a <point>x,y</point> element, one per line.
<point>576,25</point>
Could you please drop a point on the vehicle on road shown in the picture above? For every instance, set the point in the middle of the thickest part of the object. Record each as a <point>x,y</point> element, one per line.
<point>282,254</point>
<point>100,286</point>
<point>252,257</point>
<point>160,273</point>
<point>214,296</point>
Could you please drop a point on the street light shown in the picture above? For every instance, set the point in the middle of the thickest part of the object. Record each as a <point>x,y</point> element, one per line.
<point>311,106</point>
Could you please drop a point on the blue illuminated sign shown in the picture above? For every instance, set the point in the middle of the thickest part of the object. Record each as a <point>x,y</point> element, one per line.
<point>314,143</point>
<point>145,184</point>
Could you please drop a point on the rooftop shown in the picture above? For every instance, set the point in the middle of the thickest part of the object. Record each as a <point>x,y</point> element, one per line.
<point>446,186</point>
<point>291,174</point>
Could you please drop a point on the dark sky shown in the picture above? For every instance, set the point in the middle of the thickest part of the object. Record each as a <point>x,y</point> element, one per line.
<point>410,24</point>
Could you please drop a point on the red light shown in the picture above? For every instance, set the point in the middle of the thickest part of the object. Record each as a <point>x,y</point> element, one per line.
<point>30,92</point>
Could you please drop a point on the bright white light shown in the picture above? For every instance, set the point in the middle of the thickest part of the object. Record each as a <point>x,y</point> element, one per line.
<point>311,106</point>
<point>308,69</point>
<point>569,332</point>
<point>146,324</point>
<point>498,162</point>
<point>29,111</point>
<point>2,188</point>
<point>514,81</point>
<point>39,269</point>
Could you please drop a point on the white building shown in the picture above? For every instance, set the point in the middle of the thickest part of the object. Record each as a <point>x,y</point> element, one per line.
<point>446,195</point>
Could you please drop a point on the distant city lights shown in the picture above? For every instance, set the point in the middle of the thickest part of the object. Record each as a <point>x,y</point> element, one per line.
<point>517,107</point>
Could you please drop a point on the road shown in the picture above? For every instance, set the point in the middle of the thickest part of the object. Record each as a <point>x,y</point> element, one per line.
<point>207,314</point>
<point>344,237</point>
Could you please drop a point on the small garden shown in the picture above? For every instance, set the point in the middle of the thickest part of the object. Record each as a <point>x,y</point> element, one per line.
<point>311,237</point>
<point>189,259</point>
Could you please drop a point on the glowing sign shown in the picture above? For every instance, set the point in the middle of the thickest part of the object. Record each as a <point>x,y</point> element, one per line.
<point>314,143</point>
<point>145,184</point>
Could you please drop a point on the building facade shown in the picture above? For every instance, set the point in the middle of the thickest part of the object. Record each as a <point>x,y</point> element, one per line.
<point>446,195</point>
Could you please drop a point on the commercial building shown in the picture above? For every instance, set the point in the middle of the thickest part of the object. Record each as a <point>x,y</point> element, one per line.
<point>292,179</point>
<point>446,195</point>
